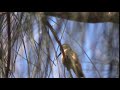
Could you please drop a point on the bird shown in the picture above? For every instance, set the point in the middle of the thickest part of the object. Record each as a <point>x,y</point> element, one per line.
<point>71,61</point>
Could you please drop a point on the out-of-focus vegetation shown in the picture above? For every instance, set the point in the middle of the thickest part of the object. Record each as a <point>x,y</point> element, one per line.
<point>30,43</point>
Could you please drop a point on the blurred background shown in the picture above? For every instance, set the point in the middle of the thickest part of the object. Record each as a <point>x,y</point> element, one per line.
<point>29,47</point>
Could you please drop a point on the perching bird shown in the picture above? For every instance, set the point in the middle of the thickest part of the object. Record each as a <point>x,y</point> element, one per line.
<point>71,61</point>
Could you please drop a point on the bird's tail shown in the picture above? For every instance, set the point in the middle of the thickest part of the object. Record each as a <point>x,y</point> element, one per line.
<point>78,71</point>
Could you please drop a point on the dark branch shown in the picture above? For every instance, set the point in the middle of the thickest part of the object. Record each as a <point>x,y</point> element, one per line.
<point>9,44</point>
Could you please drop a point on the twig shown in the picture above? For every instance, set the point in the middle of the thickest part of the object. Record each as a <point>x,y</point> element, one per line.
<point>54,49</point>
<point>61,38</point>
<point>9,44</point>
<point>56,38</point>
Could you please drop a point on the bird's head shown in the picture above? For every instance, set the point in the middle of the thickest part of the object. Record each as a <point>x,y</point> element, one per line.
<point>66,47</point>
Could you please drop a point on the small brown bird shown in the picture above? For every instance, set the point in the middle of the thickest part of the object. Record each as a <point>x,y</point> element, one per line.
<point>71,61</point>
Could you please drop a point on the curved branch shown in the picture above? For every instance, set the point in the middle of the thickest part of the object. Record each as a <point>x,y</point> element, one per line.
<point>89,17</point>
<point>56,38</point>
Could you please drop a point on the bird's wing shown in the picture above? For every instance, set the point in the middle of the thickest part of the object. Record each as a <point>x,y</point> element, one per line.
<point>76,66</point>
<point>66,61</point>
